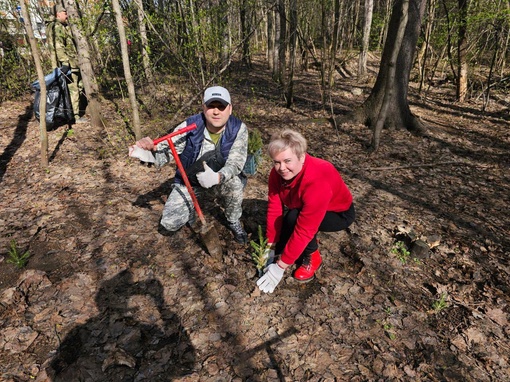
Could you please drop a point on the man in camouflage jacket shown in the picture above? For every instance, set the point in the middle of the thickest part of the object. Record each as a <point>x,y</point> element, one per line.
<point>221,141</point>
<point>64,48</point>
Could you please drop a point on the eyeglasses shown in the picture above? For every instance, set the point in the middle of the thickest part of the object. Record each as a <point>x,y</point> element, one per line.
<point>218,106</point>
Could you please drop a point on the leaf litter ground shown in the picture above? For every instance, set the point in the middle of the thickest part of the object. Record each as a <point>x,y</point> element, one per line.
<point>105,296</point>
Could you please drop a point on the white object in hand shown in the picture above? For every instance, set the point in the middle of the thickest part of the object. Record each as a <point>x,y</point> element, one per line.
<point>142,154</point>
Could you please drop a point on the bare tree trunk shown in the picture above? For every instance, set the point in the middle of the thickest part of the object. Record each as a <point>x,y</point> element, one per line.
<point>449,41</point>
<point>334,45</point>
<point>127,69</point>
<point>87,72</point>
<point>244,12</point>
<point>462,80</point>
<point>423,54</point>
<point>384,29</point>
<point>277,43</point>
<point>42,83</point>
<point>270,38</point>
<point>324,55</point>
<point>399,114</point>
<point>282,51</point>
<point>145,42</point>
<point>292,46</point>
<point>367,24</point>
<point>493,63</point>
<point>391,75</point>
<point>355,21</point>
<point>260,33</point>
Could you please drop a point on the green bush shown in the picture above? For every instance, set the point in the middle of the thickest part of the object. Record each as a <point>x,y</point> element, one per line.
<point>254,141</point>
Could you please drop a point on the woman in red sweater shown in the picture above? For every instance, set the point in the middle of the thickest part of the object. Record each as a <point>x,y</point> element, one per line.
<point>306,195</point>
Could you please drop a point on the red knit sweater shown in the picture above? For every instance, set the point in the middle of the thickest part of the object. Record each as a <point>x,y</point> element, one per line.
<point>317,188</point>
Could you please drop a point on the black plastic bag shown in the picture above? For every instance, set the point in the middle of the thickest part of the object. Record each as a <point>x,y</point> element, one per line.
<point>58,102</point>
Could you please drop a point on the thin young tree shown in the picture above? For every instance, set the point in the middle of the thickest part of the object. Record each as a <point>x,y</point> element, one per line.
<point>142,28</point>
<point>85,64</point>
<point>292,47</point>
<point>367,24</point>
<point>323,51</point>
<point>42,83</point>
<point>270,52</point>
<point>276,45</point>
<point>282,48</point>
<point>426,46</point>
<point>127,69</point>
<point>462,64</point>
<point>244,16</point>
<point>334,45</point>
<point>399,114</point>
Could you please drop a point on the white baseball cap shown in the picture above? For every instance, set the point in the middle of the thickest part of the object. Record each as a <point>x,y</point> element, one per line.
<point>216,93</point>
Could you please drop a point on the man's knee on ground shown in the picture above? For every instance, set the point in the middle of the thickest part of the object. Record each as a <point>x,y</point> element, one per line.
<point>171,224</point>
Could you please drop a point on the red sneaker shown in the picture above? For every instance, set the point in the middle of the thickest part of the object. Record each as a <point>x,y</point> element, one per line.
<point>311,264</point>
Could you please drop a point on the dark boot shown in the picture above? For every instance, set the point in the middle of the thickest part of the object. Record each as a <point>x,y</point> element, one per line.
<point>311,264</point>
<point>240,234</point>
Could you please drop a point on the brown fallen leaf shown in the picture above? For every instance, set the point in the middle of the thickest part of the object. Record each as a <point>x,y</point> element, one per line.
<point>118,357</point>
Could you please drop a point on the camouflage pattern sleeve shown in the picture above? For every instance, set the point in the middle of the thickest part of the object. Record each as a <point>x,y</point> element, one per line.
<point>163,154</point>
<point>64,45</point>
<point>237,156</point>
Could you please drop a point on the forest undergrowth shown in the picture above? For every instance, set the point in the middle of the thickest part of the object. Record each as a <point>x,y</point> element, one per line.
<point>416,290</point>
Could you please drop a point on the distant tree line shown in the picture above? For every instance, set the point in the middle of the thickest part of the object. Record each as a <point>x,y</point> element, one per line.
<point>198,40</point>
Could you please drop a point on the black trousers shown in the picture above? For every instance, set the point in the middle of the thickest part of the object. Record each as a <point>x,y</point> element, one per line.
<point>332,222</point>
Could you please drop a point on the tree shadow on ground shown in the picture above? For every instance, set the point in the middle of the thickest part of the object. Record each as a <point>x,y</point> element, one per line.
<point>59,143</point>
<point>156,194</point>
<point>134,337</point>
<point>20,135</point>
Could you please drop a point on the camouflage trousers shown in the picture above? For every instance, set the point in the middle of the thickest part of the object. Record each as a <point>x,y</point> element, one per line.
<point>75,88</point>
<point>179,208</point>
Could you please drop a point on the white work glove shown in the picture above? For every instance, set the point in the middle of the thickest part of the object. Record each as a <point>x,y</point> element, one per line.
<point>271,278</point>
<point>142,154</point>
<point>208,178</point>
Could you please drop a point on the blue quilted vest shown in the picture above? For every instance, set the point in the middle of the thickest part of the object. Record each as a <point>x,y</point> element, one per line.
<point>194,139</point>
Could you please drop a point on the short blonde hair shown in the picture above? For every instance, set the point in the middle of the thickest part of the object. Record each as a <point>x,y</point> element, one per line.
<point>285,139</point>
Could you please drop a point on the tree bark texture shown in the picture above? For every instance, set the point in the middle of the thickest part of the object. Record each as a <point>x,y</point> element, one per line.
<point>383,113</point>
<point>282,48</point>
<point>462,78</point>
<point>334,44</point>
<point>270,38</point>
<point>244,11</point>
<point>423,53</point>
<point>144,40</point>
<point>367,24</point>
<point>42,84</point>
<point>399,113</point>
<point>127,69</point>
<point>292,46</point>
<point>276,45</point>
<point>85,64</point>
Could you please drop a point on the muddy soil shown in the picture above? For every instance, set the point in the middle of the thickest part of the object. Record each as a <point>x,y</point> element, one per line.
<point>106,297</point>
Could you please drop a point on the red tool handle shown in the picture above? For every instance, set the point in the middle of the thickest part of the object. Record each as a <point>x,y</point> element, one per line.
<point>168,138</point>
<point>178,132</point>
